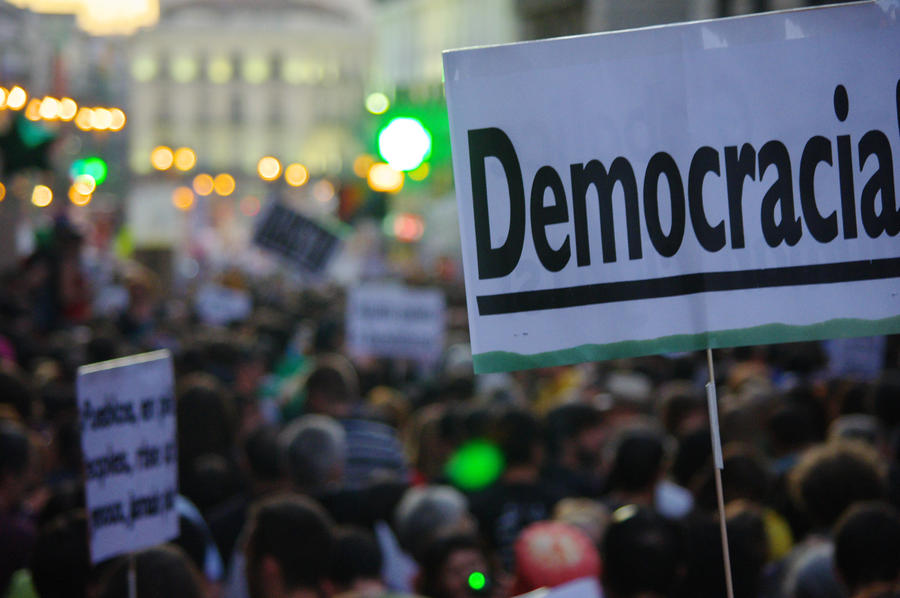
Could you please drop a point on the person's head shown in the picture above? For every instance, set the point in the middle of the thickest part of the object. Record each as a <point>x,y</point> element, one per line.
<point>745,477</point>
<point>356,565</point>
<point>638,460</point>
<point>15,392</point>
<point>829,478</point>
<point>15,454</point>
<point>207,419</point>
<point>262,456</point>
<point>290,542</point>
<point>641,554</point>
<point>451,566</point>
<point>681,408</point>
<point>160,571</point>
<point>518,434</point>
<point>425,512</point>
<point>333,387</point>
<point>857,426</point>
<point>61,562</point>
<point>789,428</point>
<point>867,546</point>
<point>575,434</point>
<point>315,449</point>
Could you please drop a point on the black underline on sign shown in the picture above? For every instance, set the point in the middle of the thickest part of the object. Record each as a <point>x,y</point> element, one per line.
<point>687,284</point>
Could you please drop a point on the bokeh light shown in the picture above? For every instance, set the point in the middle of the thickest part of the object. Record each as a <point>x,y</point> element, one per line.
<point>3,95</point>
<point>41,196</point>
<point>101,119</point>
<point>475,465</point>
<point>184,158</point>
<point>408,227</point>
<point>117,122</point>
<point>404,143</point>
<point>420,173</point>
<point>268,168</point>
<point>224,184</point>
<point>219,70</point>
<point>2,191</point>
<point>78,198</point>
<point>183,198</point>
<point>377,103</point>
<point>323,191</point>
<point>49,108</point>
<point>67,109</point>
<point>362,164</point>
<point>16,98</point>
<point>33,109</point>
<point>384,178</point>
<point>84,119</point>
<point>162,158</point>
<point>84,184</point>
<point>296,175</point>
<point>203,184</point>
<point>477,580</point>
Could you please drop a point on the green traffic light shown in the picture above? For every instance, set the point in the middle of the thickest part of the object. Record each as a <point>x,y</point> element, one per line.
<point>477,580</point>
<point>404,143</point>
<point>92,166</point>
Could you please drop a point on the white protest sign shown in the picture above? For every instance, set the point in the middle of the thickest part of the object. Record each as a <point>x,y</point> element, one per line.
<point>127,409</point>
<point>219,305</point>
<point>709,184</point>
<point>396,321</point>
<point>585,587</point>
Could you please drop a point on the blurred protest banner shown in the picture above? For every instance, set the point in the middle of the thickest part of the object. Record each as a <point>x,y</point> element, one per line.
<point>220,305</point>
<point>296,238</point>
<point>385,320</point>
<point>127,411</point>
<point>580,588</point>
<point>710,184</point>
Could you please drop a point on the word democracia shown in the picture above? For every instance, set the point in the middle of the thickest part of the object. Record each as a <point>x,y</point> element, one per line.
<point>779,218</point>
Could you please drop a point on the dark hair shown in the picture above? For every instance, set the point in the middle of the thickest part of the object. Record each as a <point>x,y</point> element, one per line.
<point>831,477</point>
<point>883,397</point>
<point>641,552</point>
<point>264,453</point>
<point>790,428</point>
<point>568,422</point>
<point>161,571</point>
<point>867,545</point>
<point>638,460</point>
<point>334,378</point>
<point>745,477</point>
<point>693,453</point>
<point>356,557</point>
<point>207,419</point>
<point>518,433</point>
<point>61,562</point>
<point>15,392</point>
<point>15,449</point>
<point>297,533</point>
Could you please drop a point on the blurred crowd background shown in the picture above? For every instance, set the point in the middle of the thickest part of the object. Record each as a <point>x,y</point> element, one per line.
<point>140,141</point>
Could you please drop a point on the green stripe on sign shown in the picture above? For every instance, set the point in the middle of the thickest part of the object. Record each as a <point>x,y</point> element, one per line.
<point>504,361</point>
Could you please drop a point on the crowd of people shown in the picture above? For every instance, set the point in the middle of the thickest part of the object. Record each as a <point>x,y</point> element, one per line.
<point>304,471</point>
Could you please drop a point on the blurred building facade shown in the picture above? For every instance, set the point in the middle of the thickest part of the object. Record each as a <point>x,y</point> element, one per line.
<point>236,80</point>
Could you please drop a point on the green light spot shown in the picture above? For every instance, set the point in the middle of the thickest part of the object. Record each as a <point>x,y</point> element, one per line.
<point>475,465</point>
<point>93,166</point>
<point>477,580</point>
